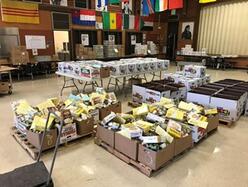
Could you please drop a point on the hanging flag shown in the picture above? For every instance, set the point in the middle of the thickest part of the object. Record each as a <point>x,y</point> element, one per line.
<point>101,5</point>
<point>128,21</point>
<point>147,23</point>
<point>112,20</point>
<point>175,4</point>
<point>114,1</point>
<point>161,5</point>
<point>19,12</point>
<point>206,1</point>
<point>148,7</point>
<point>84,17</point>
<point>137,23</point>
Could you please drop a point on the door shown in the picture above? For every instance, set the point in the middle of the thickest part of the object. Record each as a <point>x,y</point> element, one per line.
<point>172,37</point>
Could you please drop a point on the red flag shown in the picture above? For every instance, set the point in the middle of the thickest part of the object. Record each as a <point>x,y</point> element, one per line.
<point>175,4</point>
<point>119,21</point>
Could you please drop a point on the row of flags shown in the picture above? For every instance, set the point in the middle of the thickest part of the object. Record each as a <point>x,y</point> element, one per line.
<point>112,20</point>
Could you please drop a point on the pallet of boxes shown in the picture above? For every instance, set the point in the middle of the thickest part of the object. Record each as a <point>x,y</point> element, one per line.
<point>153,135</point>
<point>83,112</point>
<point>228,96</point>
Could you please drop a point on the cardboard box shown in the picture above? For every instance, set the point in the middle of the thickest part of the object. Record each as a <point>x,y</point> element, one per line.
<point>194,71</point>
<point>4,62</point>
<point>103,112</point>
<point>85,127</point>
<point>138,93</point>
<point>131,68</point>
<point>104,72</point>
<point>181,144</point>
<point>89,72</point>
<point>197,133</point>
<point>154,94</point>
<point>213,122</point>
<point>4,86</point>
<point>126,146</point>
<point>95,114</point>
<point>203,98</point>
<point>155,159</point>
<point>69,132</point>
<point>49,141</point>
<point>106,135</point>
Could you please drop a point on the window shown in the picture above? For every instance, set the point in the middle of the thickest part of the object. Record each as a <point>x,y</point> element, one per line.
<point>61,21</point>
<point>82,3</point>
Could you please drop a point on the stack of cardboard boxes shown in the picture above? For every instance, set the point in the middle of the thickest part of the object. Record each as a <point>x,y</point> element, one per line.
<point>228,96</point>
<point>19,55</point>
<point>83,52</point>
<point>113,51</point>
<point>98,50</point>
<point>154,134</point>
<point>140,49</point>
<point>192,76</point>
<point>152,92</point>
<point>188,50</point>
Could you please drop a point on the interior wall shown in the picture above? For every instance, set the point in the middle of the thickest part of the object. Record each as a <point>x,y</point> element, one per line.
<point>223,28</point>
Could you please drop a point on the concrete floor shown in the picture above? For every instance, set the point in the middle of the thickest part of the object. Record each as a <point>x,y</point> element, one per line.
<point>220,160</point>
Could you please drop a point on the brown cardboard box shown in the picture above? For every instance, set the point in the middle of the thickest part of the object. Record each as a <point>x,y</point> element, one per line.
<point>213,122</point>
<point>154,159</point>
<point>181,144</point>
<point>69,132</point>
<point>104,72</point>
<point>126,146</point>
<point>19,57</point>
<point>4,86</point>
<point>85,127</point>
<point>4,62</point>
<point>49,141</point>
<point>106,135</point>
<point>103,112</point>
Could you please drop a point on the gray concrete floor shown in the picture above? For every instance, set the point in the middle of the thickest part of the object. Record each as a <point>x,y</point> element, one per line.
<point>220,160</point>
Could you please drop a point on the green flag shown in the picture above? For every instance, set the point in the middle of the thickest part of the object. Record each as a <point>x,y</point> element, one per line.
<point>125,21</point>
<point>114,1</point>
<point>105,19</point>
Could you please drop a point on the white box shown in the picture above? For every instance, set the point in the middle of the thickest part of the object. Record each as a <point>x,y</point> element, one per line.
<point>189,83</point>
<point>89,72</point>
<point>199,98</point>
<point>197,133</point>
<point>194,71</point>
<point>146,66</point>
<point>228,109</point>
<point>131,68</point>
<point>138,93</point>
<point>118,69</point>
<point>153,66</point>
<point>139,67</point>
<point>69,132</point>
<point>153,95</point>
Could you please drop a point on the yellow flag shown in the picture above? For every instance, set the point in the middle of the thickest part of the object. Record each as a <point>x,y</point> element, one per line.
<point>19,12</point>
<point>112,17</point>
<point>206,1</point>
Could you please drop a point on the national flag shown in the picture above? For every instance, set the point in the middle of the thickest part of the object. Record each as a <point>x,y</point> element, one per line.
<point>161,5</point>
<point>206,1</point>
<point>101,5</point>
<point>84,17</point>
<point>112,20</point>
<point>137,23</point>
<point>148,7</point>
<point>128,21</point>
<point>175,4</point>
<point>147,23</point>
<point>19,12</point>
<point>114,1</point>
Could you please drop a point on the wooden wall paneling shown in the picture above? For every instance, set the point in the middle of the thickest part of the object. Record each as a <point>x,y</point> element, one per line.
<point>99,37</point>
<point>49,41</point>
<point>93,4</point>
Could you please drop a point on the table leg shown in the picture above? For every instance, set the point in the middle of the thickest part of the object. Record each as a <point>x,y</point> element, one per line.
<point>109,83</point>
<point>61,91</point>
<point>73,81</point>
<point>101,83</point>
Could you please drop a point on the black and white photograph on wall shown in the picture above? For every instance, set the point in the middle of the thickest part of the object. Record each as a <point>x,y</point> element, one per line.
<point>126,6</point>
<point>187,30</point>
<point>111,39</point>
<point>58,2</point>
<point>133,39</point>
<point>85,39</point>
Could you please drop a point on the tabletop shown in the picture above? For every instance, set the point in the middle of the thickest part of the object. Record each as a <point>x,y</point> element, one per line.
<point>6,69</point>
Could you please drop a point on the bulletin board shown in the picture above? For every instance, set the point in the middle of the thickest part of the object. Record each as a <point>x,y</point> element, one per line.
<point>35,42</point>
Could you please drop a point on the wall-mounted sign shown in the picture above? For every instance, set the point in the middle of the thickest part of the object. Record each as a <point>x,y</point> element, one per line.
<point>85,39</point>
<point>35,42</point>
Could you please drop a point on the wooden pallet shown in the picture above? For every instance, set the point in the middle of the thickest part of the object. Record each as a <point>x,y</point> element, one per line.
<point>225,122</point>
<point>136,164</point>
<point>22,140</point>
<point>32,151</point>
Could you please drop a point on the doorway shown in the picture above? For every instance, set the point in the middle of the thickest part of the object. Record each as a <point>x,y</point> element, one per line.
<point>61,43</point>
<point>172,36</point>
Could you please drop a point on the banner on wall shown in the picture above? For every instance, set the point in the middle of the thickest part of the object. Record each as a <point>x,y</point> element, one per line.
<point>127,6</point>
<point>84,17</point>
<point>112,20</point>
<point>12,11</point>
<point>147,7</point>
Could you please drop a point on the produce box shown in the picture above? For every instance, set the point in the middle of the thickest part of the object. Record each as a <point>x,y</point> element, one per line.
<point>69,132</point>
<point>181,144</point>
<point>85,127</point>
<point>155,159</point>
<point>138,93</point>
<point>103,112</point>
<point>213,122</point>
<point>106,135</point>
<point>49,141</point>
<point>126,146</point>
<point>154,94</point>
<point>199,96</point>
<point>4,86</point>
<point>197,133</point>
<point>194,71</point>
<point>131,68</point>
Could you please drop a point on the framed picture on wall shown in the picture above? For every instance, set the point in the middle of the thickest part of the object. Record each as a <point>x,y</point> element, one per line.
<point>187,30</point>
